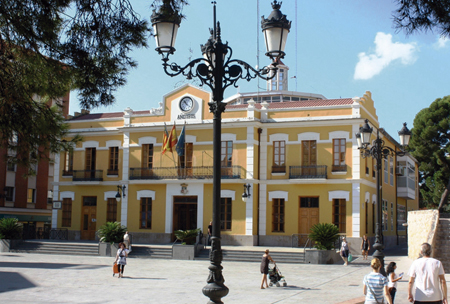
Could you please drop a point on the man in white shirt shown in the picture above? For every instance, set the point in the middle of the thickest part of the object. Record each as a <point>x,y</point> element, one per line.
<point>428,276</point>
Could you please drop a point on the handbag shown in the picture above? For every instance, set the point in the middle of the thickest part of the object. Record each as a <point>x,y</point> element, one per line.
<point>350,257</point>
<point>115,268</point>
<point>371,291</point>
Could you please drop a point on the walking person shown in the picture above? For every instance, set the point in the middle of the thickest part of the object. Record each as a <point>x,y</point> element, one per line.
<point>374,285</point>
<point>392,279</point>
<point>365,247</point>
<point>209,233</point>
<point>428,277</point>
<point>344,251</point>
<point>265,267</point>
<point>121,258</point>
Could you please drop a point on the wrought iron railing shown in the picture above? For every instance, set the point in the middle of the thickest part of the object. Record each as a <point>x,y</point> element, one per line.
<point>302,240</point>
<point>233,172</point>
<point>308,172</point>
<point>339,168</point>
<point>87,175</point>
<point>278,169</point>
<point>112,172</point>
<point>67,173</point>
<point>59,234</point>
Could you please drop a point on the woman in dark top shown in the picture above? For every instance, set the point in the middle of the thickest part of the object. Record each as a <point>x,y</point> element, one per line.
<point>365,247</point>
<point>265,268</point>
<point>209,233</point>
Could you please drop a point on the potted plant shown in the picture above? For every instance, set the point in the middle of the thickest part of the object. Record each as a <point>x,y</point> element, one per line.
<point>110,234</point>
<point>324,236</point>
<point>10,233</point>
<point>188,249</point>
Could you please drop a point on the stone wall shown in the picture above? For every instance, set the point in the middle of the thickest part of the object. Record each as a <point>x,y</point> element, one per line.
<point>442,248</point>
<point>422,228</point>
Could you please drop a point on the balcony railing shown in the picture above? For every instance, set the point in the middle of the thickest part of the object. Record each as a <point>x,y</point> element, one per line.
<point>87,175</point>
<point>308,172</point>
<point>339,168</point>
<point>67,173</point>
<point>112,172</point>
<point>278,169</point>
<point>233,172</point>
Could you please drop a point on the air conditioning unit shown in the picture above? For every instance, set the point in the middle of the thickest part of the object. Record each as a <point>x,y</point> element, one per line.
<point>399,171</point>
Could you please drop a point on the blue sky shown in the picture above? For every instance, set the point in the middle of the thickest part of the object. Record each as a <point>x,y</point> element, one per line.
<point>337,48</point>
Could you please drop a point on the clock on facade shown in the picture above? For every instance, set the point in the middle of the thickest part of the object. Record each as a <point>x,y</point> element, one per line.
<point>186,104</point>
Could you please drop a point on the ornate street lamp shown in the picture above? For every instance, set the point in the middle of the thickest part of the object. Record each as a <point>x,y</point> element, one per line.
<point>246,193</point>
<point>379,151</point>
<point>120,193</point>
<point>218,71</point>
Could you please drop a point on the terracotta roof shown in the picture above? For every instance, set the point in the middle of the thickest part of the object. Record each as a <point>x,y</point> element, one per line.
<point>299,104</point>
<point>104,115</point>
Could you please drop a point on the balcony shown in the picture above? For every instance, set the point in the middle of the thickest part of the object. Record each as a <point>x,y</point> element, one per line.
<point>339,168</point>
<point>307,172</point>
<point>87,175</point>
<point>160,173</point>
<point>406,187</point>
<point>278,169</point>
<point>67,173</point>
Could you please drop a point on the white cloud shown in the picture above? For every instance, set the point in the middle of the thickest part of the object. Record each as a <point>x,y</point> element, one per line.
<point>441,42</point>
<point>386,52</point>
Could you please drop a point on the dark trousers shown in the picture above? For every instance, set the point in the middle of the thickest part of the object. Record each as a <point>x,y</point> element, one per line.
<point>121,268</point>
<point>426,302</point>
<point>392,293</point>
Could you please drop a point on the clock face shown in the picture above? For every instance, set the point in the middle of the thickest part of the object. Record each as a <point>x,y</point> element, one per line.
<point>186,104</point>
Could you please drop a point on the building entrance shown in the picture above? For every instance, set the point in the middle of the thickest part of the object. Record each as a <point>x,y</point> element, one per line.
<point>184,213</point>
<point>308,216</point>
<point>89,218</point>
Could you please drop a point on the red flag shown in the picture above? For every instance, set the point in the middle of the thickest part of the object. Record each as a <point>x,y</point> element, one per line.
<point>165,139</point>
<point>171,140</point>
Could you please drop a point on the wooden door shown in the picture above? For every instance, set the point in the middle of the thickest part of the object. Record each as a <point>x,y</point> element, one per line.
<point>189,149</point>
<point>90,162</point>
<point>184,213</point>
<point>309,157</point>
<point>89,218</point>
<point>308,216</point>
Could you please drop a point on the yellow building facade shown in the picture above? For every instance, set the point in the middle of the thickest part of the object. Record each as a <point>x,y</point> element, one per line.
<point>297,151</point>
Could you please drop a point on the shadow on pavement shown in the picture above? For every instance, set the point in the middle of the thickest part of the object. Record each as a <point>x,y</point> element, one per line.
<point>47,265</point>
<point>292,287</point>
<point>13,281</point>
<point>137,278</point>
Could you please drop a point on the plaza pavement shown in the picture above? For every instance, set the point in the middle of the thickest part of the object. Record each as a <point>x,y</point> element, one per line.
<point>38,278</point>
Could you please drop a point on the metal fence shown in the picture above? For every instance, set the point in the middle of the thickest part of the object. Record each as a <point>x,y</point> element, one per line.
<point>308,172</point>
<point>201,172</point>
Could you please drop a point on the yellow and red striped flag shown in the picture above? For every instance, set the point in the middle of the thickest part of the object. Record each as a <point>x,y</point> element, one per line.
<point>165,138</point>
<point>171,140</point>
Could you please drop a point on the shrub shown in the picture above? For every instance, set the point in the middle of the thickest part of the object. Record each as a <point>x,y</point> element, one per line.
<point>324,235</point>
<point>10,228</point>
<point>111,232</point>
<point>187,237</point>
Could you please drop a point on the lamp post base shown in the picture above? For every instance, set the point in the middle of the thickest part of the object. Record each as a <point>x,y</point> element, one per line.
<point>215,290</point>
<point>379,254</point>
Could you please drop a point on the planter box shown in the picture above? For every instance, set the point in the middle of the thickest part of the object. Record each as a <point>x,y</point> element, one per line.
<point>6,245</point>
<point>315,256</point>
<point>107,249</point>
<point>185,252</point>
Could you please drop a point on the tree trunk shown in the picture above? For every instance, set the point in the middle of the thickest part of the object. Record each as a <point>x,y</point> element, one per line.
<point>444,197</point>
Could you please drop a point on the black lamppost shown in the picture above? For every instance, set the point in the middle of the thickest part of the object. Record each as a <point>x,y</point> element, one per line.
<point>218,71</point>
<point>120,192</point>
<point>379,152</point>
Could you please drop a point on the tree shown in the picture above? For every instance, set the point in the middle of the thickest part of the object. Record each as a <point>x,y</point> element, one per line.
<point>423,15</point>
<point>430,145</point>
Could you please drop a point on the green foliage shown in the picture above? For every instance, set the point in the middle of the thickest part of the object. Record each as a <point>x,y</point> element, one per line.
<point>430,145</point>
<point>1,236</point>
<point>111,232</point>
<point>187,236</point>
<point>10,228</point>
<point>422,15</point>
<point>324,235</point>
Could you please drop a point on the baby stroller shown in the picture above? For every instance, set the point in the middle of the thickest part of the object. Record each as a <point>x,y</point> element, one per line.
<point>275,276</point>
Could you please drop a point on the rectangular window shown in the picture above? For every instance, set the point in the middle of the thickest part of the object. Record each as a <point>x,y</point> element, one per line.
<point>111,210</point>
<point>31,195</point>
<point>279,157</point>
<point>392,216</point>
<point>384,218</point>
<point>185,161</point>
<point>309,202</point>
<point>386,170</point>
<point>66,212</point>
<point>68,163</point>
<point>10,166</point>
<point>309,153</point>
<point>278,215</point>
<point>147,156</point>
<point>339,155</point>
<point>9,194</point>
<point>225,213</point>
<point>366,166</point>
<point>391,171</point>
<point>374,168</point>
<point>90,159</point>
<point>339,214</point>
<point>113,168</point>
<point>146,212</point>
<point>226,153</point>
<point>401,217</point>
